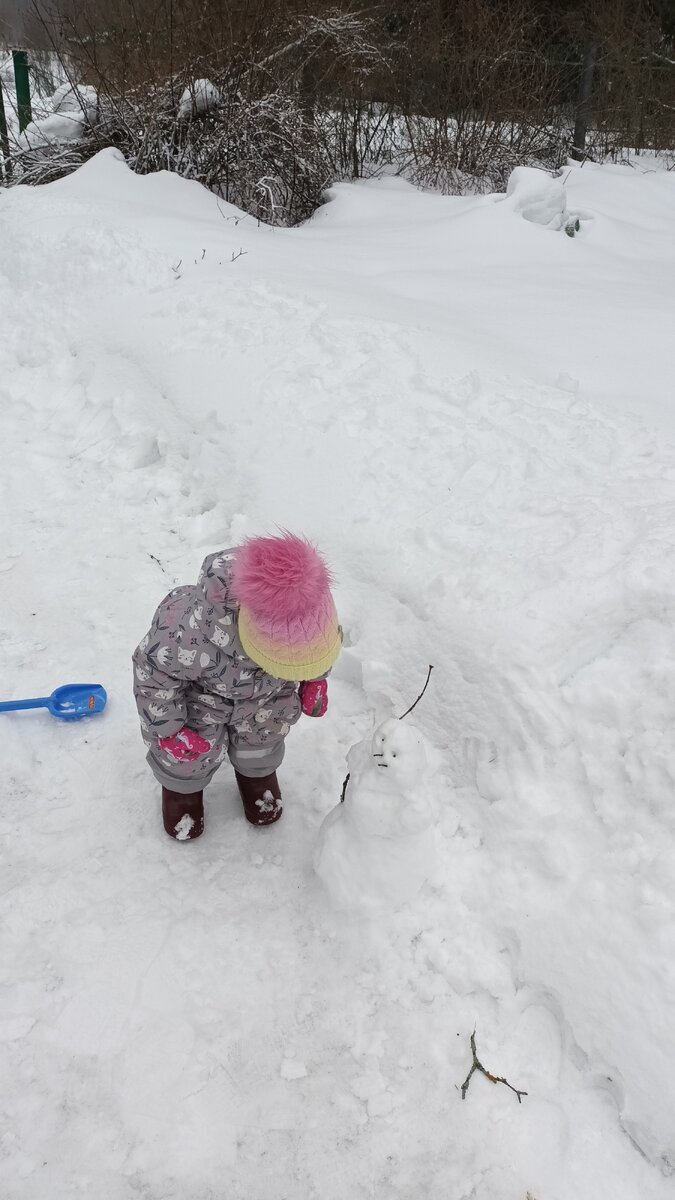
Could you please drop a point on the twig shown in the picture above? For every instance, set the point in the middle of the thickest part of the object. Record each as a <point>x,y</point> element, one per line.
<point>159,564</point>
<point>478,1066</point>
<point>235,219</point>
<point>344,790</point>
<point>409,710</point>
<point>239,255</point>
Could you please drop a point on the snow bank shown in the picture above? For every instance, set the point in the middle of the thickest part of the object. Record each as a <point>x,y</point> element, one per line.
<point>475,421</point>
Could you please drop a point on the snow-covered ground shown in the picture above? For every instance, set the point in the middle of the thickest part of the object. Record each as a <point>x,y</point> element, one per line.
<point>473,415</point>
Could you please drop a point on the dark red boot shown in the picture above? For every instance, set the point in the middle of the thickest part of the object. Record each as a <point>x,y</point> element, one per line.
<point>261,798</point>
<point>183,814</point>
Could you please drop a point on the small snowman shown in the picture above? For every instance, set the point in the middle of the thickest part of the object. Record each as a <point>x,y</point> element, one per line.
<point>376,848</point>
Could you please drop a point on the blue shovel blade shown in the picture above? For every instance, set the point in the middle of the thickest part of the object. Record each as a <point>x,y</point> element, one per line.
<point>76,700</point>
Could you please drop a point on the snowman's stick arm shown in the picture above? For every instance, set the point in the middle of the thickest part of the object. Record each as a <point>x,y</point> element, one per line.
<point>409,710</point>
<point>344,789</point>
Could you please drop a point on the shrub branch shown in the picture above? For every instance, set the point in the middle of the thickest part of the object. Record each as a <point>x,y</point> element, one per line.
<point>478,1066</point>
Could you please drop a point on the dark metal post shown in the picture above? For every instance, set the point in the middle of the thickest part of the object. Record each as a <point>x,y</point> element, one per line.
<point>4,137</point>
<point>22,83</point>
<point>584,104</point>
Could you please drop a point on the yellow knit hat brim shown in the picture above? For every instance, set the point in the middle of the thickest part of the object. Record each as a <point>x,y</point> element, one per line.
<point>294,663</point>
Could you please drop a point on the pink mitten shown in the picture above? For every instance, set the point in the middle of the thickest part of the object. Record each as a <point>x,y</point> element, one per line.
<point>314,697</point>
<point>184,746</point>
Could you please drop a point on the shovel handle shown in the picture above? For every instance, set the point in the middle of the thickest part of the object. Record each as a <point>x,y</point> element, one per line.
<point>17,705</point>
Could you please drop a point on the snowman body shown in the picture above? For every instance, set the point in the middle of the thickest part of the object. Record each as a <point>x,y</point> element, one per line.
<point>376,849</point>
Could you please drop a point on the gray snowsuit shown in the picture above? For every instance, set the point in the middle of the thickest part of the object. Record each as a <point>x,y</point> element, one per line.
<point>190,669</point>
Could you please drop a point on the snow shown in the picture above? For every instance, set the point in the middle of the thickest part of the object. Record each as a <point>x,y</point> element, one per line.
<point>541,199</point>
<point>57,127</point>
<point>200,97</point>
<point>73,108</point>
<point>376,848</point>
<point>79,99</point>
<point>183,828</point>
<point>473,417</point>
<point>290,1069</point>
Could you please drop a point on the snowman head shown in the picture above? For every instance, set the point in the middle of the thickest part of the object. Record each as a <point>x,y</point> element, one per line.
<point>399,749</point>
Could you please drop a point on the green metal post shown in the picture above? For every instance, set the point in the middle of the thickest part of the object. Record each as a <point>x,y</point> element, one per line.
<point>22,83</point>
<point>4,138</point>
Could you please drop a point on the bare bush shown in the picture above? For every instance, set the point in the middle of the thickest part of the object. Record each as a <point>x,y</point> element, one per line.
<point>262,145</point>
<point>453,95</point>
<point>488,99</point>
<point>634,87</point>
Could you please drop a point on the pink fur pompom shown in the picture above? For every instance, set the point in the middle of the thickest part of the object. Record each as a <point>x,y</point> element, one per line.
<point>280,578</point>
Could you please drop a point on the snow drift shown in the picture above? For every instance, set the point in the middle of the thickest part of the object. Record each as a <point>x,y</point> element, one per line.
<point>474,420</point>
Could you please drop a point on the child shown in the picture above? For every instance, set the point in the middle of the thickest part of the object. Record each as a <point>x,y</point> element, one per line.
<point>227,667</point>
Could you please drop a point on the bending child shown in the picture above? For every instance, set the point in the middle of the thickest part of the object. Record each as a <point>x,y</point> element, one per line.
<point>226,669</point>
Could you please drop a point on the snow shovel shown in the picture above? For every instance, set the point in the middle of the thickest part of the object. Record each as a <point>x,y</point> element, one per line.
<point>70,703</point>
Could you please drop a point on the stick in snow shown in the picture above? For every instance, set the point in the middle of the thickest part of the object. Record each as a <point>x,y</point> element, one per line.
<point>478,1066</point>
<point>159,564</point>
<point>409,710</point>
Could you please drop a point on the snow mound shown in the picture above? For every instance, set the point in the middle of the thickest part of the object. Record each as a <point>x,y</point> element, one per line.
<point>80,100</point>
<point>52,129</point>
<point>201,97</point>
<point>73,109</point>
<point>539,198</point>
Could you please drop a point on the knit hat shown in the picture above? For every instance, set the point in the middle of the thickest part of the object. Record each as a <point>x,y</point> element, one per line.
<point>287,619</point>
